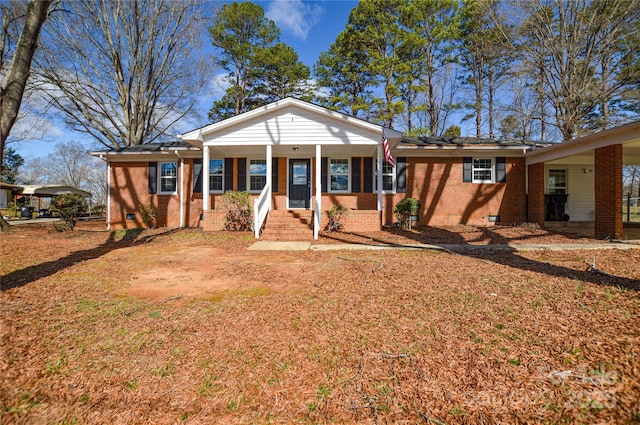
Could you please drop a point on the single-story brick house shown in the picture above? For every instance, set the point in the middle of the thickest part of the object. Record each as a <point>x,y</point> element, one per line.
<point>298,159</point>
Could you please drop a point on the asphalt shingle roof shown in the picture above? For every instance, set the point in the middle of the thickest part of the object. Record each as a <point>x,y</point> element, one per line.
<point>464,141</point>
<point>152,147</point>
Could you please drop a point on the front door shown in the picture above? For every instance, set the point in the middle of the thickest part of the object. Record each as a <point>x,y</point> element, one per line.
<point>299,183</point>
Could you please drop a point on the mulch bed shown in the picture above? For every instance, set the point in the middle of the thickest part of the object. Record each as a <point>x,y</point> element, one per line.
<point>460,235</point>
<point>314,337</point>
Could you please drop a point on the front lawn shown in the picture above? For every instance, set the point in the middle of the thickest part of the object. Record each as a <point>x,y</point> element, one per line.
<point>185,327</point>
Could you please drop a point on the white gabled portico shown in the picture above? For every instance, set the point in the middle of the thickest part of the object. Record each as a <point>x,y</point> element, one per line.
<point>300,134</point>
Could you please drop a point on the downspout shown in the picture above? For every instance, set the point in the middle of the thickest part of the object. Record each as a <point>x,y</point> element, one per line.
<point>181,197</point>
<point>102,157</point>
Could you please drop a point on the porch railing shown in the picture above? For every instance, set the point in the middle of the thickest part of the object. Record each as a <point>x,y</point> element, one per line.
<point>261,207</point>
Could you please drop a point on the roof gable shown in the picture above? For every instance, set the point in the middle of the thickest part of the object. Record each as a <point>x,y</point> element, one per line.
<point>290,121</point>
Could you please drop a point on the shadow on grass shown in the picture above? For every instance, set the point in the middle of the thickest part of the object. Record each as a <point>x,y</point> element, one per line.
<point>504,255</point>
<point>117,239</point>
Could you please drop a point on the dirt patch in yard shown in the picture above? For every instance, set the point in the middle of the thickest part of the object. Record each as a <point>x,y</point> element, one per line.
<point>168,326</point>
<point>206,272</point>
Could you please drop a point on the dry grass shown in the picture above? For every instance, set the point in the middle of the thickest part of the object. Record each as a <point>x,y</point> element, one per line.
<point>311,337</point>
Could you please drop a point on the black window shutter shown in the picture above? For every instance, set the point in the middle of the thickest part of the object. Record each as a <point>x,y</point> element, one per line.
<point>401,175</point>
<point>324,164</point>
<point>153,177</point>
<point>197,175</point>
<point>501,170</point>
<point>242,174</point>
<point>274,174</point>
<point>228,174</point>
<point>355,174</point>
<point>368,175</point>
<point>467,169</point>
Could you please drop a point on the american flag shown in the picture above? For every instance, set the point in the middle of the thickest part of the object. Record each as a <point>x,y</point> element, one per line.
<point>387,151</point>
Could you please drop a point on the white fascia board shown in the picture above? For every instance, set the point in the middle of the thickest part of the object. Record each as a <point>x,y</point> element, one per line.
<point>618,135</point>
<point>194,138</point>
<point>136,156</point>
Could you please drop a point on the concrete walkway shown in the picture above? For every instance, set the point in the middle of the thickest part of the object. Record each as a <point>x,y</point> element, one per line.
<point>39,220</point>
<point>308,246</point>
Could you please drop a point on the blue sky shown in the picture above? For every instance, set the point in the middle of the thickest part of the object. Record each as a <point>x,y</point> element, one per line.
<point>308,26</point>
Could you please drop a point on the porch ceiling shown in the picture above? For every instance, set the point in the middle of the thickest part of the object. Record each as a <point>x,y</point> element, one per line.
<point>581,151</point>
<point>630,156</point>
<point>302,151</point>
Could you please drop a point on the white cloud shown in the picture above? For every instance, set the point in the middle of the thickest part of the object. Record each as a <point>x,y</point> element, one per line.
<point>218,85</point>
<point>294,16</point>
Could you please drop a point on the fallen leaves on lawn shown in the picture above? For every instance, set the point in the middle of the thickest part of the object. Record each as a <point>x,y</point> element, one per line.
<point>237,336</point>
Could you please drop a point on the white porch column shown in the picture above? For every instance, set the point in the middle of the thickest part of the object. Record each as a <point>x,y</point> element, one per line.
<point>318,197</point>
<point>181,189</point>
<point>108,195</point>
<point>205,179</point>
<point>379,176</point>
<point>269,168</point>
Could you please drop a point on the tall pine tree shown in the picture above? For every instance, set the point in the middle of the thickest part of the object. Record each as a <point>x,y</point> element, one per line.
<point>260,68</point>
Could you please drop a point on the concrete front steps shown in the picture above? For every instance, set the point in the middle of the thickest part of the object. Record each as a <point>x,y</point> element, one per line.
<point>287,225</point>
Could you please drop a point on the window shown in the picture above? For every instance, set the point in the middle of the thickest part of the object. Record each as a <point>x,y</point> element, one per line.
<point>257,174</point>
<point>387,178</point>
<point>168,177</point>
<point>216,175</point>
<point>339,175</point>
<point>557,183</point>
<point>482,170</point>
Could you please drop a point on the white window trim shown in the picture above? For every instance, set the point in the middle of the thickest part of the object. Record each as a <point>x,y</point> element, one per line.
<point>329,190</point>
<point>547,188</point>
<point>160,178</point>
<point>249,174</point>
<point>375,179</point>
<point>212,190</point>
<point>4,198</point>
<point>492,168</point>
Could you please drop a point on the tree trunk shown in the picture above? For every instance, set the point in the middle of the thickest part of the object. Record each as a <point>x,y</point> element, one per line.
<point>490,102</point>
<point>15,80</point>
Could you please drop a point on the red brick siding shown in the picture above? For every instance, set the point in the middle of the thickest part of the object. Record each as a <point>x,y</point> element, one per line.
<point>436,182</point>
<point>213,221</point>
<point>129,190</point>
<point>608,191</point>
<point>356,221</point>
<point>536,193</point>
<point>447,200</point>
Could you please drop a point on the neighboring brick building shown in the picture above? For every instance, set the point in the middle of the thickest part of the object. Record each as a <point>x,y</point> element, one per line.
<point>298,160</point>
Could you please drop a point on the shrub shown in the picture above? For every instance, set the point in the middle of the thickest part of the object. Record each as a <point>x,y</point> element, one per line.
<point>404,209</point>
<point>336,215</point>
<point>12,209</point>
<point>148,214</point>
<point>70,207</point>
<point>99,210</point>
<point>239,215</point>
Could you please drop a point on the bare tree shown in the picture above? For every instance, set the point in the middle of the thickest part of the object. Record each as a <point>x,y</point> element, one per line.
<point>575,48</point>
<point>69,164</point>
<point>15,62</point>
<point>631,176</point>
<point>124,72</point>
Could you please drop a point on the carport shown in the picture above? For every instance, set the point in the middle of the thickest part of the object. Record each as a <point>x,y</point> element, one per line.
<point>579,182</point>
<point>46,192</point>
